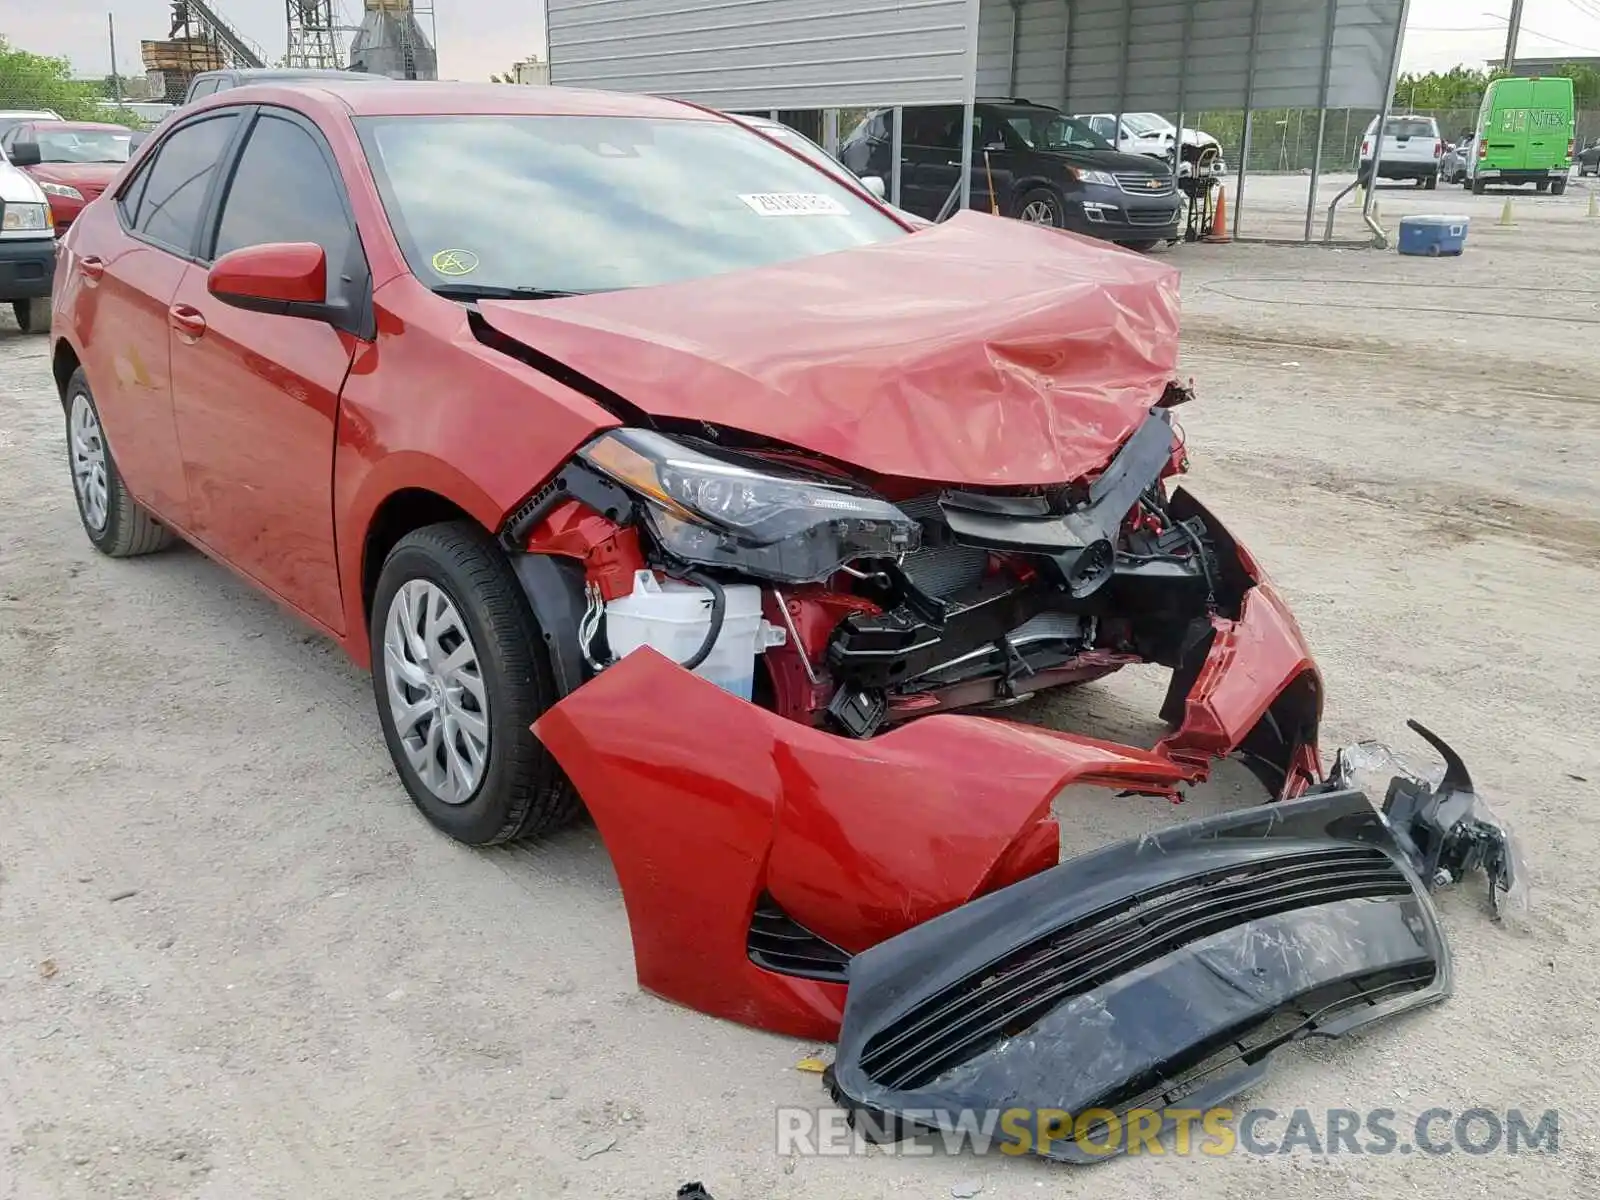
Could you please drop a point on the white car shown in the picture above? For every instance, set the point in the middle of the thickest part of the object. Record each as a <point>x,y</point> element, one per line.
<point>27,248</point>
<point>793,138</point>
<point>1152,135</point>
<point>1412,149</point>
<point>22,116</point>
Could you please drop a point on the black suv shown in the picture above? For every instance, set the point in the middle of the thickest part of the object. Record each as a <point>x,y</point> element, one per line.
<point>1046,167</point>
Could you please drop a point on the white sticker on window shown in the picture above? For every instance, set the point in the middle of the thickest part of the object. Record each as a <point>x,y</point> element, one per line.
<point>794,204</point>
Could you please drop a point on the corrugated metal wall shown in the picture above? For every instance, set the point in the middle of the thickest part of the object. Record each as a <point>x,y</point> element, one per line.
<point>1040,45</point>
<point>761,54</point>
<point>1158,55</point>
<point>1136,55</point>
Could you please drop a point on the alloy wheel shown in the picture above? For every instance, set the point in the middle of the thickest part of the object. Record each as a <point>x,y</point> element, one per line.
<point>436,693</point>
<point>1039,212</point>
<point>88,449</point>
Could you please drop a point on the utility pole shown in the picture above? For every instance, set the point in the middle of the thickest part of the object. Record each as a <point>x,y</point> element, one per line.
<point>116,80</point>
<point>1515,28</point>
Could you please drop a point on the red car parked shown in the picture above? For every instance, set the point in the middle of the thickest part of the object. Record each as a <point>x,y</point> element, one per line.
<point>73,161</point>
<point>482,382</point>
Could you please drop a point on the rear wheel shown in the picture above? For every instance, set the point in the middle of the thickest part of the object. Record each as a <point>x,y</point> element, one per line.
<point>1479,186</point>
<point>1431,182</point>
<point>1542,186</point>
<point>1558,187</point>
<point>33,316</point>
<point>1041,206</point>
<point>459,671</point>
<point>117,525</point>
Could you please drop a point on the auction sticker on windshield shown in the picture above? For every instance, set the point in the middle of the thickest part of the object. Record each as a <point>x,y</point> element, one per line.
<point>794,204</point>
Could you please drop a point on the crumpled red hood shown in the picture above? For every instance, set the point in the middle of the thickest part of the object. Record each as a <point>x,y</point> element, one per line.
<point>981,351</point>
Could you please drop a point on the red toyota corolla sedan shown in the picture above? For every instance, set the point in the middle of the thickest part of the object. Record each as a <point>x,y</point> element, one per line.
<point>498,386</point>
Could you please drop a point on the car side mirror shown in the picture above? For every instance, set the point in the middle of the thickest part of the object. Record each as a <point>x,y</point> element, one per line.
<point>24,154</point>
<point>874,184</point>
<point>287,278</point>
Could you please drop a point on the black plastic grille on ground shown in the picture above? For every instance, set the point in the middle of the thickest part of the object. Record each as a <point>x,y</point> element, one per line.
<point>1012,993</point>
<point>778,943</point>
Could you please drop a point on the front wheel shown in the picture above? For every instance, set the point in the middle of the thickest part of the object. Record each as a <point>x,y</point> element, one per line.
<point>33,316</point>
<point>1041,206</point>
<point>459,671</point>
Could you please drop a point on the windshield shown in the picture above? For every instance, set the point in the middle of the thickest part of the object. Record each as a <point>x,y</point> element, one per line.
<point>587,204</point>
<point>1147,123</point>
<point>1043,129</point>
<point>84,145</point>
<point>806,147</point>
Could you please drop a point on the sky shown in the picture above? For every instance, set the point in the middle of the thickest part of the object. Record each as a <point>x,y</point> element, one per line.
<point>480,37</point>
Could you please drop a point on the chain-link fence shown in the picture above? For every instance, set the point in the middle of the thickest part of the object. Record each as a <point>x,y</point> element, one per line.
<point>1285,140</point>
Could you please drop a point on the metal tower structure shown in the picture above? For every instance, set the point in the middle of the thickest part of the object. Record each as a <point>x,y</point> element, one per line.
<point>314,29</point>
<point>391,41</point>
<point>197,21</point>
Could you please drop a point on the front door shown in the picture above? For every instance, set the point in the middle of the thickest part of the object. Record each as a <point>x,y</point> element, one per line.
<point>257,394</point>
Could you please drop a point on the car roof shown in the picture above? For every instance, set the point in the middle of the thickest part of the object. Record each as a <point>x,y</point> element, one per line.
<point>288,73</point>
<point>38,113</point>
<point>69,126</point>
<point>375,96</point>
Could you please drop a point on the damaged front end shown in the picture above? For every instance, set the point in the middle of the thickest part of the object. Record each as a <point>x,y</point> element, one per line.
<point>771,820</point>
<point>893,602</point>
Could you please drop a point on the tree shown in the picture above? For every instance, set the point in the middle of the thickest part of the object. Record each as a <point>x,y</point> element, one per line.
<point>30,80</point>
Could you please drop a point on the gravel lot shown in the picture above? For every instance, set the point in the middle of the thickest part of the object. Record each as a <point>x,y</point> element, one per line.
<point>305,992</point>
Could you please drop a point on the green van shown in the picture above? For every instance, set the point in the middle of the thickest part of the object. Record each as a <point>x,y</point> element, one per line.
<point>1525,134</point>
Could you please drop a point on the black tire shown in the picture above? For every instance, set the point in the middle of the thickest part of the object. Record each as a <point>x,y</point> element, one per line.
<point>1479,186</point>
<point>1045,200</point>
<point>129,530</point>
<point>522,792</point>
<point>1431,183</point>
<point>1140,247</point>
<point>1558,187</point>
<point>1542,186</point>
<point>33,316</point>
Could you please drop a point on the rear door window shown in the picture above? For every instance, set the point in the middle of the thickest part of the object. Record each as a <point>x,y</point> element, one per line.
<point>174,197</point>
<point>1408,127</point>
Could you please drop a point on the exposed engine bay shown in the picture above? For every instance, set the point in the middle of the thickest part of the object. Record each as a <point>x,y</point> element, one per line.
<point>885,603</point>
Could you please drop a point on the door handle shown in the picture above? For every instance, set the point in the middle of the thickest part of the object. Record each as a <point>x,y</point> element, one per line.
<point>92,267</point>
<point>188,322</point>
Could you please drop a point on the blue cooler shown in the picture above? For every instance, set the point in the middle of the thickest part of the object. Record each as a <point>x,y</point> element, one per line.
<point>1433,237</point>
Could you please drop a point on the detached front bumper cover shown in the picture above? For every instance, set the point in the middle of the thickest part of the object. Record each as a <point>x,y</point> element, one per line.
<point>1155,973</point>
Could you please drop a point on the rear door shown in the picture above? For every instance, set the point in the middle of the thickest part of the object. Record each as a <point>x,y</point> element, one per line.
<point>129,275</point>
<point>1506,133</point>
<point>256,395</point>
<point>1549,124</point>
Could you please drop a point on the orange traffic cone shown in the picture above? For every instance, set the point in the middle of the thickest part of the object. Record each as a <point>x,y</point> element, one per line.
<point>1219,219</point>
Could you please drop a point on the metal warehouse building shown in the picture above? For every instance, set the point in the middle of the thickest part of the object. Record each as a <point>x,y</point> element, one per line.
<point>1171,56</point>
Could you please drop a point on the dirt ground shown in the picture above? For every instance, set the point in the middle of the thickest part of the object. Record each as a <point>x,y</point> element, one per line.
<point>235,963</point>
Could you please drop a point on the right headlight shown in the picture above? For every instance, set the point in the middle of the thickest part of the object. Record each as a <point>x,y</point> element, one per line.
<point>710,507</point>
<point>1088,175</point>
<point>25,217</point>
